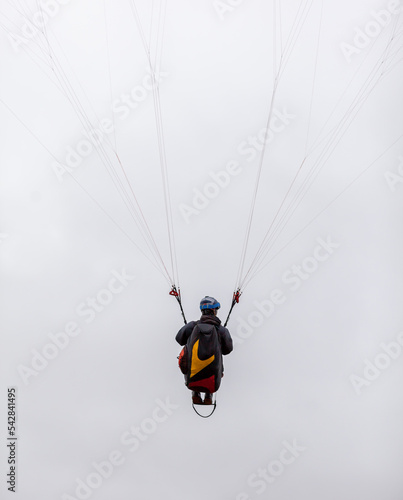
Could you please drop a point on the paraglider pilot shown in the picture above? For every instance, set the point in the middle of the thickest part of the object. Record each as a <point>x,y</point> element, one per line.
<point>205,342</point>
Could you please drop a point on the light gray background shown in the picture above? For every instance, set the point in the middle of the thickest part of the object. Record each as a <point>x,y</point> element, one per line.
<point>290,380</point>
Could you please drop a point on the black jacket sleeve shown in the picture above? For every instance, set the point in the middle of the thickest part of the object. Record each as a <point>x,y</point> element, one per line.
<point>225,340</point>
<point>185,332</point>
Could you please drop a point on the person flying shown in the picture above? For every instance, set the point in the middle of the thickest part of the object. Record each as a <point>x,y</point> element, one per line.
<point>205,341</point>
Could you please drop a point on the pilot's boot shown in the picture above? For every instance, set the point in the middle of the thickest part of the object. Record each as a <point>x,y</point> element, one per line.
<point>208,399</point>
<point>196,398</point>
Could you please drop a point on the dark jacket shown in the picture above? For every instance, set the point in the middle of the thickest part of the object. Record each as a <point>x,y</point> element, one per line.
<point>223,334</point>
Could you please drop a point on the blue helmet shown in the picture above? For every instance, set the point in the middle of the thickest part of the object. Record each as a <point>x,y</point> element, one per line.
<point>209,303</point>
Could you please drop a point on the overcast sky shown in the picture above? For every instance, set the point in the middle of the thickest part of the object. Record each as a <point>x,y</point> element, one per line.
<point>310,407</point>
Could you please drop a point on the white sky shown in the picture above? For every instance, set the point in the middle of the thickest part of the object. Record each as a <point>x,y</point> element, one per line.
<point>290,380</point>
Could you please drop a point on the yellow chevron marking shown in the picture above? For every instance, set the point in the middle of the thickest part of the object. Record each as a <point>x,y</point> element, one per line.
<point>197,363</point>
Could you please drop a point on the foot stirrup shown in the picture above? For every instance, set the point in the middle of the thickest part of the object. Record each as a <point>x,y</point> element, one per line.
<point>214,405</point>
